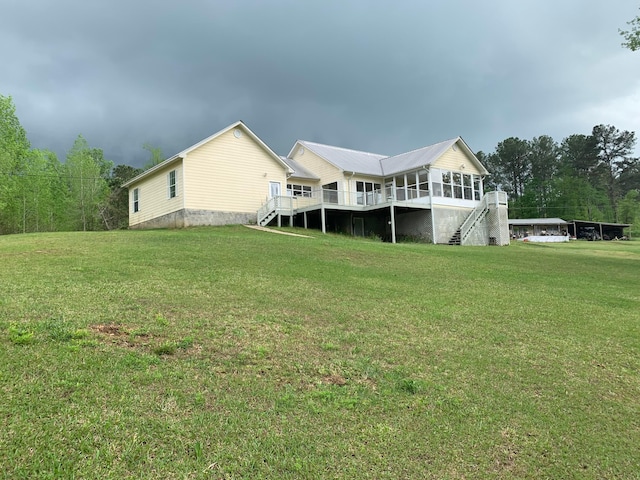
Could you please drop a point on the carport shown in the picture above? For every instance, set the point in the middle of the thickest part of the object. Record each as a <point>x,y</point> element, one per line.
<point>582,229</point>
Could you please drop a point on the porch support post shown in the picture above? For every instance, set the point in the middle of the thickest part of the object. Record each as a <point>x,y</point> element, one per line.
<point>324,222</point>
<point>279,220</point>
<point>393,223</point>
<point>305,220</point>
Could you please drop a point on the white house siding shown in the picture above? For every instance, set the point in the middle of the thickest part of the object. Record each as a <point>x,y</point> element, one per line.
<point>231,175</point>
<point>454,159</point>
<point>327,172</point>
<point>154,198</point>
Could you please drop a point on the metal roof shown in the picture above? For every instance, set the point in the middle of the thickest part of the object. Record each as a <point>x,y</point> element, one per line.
<point>298,170</point>
<point>346,159</point>
<point>417,158</point>
<point>622,225</point>
<point>375,164</point>
<point>536,221</point>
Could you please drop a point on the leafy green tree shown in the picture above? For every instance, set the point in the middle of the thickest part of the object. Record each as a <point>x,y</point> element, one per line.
<point>155,158</point>
<point>576,199</point>
<point>632,36</point>
<point>579,156</point>
<point>614,147</point>
<point>630,176</point>
<point>41,193</point>
<point>544,158</point>
<point>88,187</point>
<point>630,207</point>
<point>14,149</point>
<point>511,164</point>
<point>117,204</point>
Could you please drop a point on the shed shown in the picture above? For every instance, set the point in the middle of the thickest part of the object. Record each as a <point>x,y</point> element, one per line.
<point>525,227</point>
<point>583,229</point>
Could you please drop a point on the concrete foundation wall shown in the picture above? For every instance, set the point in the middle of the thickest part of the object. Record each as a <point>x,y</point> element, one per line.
<point>447,221</point>
<point>195,218</point>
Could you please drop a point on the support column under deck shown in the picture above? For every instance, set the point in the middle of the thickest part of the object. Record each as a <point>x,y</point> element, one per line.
<point>393,224</point>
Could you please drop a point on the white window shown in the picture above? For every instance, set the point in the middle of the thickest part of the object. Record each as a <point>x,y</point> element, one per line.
<point>477,187</point>
<point>294,190</point>
<point>367,193</point>
<point>171,182</point>
<point>456,185</point>
<point>136,200</point>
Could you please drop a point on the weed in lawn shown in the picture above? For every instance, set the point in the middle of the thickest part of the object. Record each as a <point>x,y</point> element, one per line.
<point>410,385</point>
<point>197,451</point>
<point>328,346</point>
<point>19,335</point>
<point>185,344</point>
<point>165,349</point>
<point>57,329</point>
<point>139,332</point>
<point>80,334</point>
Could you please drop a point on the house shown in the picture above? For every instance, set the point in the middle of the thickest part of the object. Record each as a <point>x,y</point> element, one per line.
<point>222,179</point>
<point>434,193</point>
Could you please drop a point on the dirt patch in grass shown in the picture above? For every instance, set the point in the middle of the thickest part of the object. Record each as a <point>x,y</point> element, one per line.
<point>335,380</point>
<point>110,329</point>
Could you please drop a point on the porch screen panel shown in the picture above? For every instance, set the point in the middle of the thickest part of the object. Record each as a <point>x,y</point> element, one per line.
<point>423,184</point>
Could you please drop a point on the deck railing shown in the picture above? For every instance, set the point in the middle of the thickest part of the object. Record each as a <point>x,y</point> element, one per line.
<point>276,205</point>
<point>383,196</point>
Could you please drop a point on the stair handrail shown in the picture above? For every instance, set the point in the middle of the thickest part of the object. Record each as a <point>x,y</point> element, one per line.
<point>265,210</point>
<point>476,214</point>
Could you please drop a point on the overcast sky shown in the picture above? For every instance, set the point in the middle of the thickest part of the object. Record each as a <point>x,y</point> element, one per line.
<point>379,76</point>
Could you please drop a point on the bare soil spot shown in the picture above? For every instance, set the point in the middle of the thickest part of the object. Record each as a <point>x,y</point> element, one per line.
<point>110,329</point>
<point>335,380</point>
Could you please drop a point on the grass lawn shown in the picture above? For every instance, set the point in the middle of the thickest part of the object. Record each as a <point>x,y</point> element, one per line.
<point>232,353</point>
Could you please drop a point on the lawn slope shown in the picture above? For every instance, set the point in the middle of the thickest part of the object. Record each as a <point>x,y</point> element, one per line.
<point>233,353</point>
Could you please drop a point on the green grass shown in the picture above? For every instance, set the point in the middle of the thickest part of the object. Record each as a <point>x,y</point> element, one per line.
<point>231,353</point>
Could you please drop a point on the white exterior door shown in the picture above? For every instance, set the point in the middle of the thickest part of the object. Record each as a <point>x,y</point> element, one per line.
<point>274,189</point>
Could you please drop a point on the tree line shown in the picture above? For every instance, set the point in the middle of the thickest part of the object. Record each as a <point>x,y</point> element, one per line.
<point>38,193</point>
<point>587,177</point>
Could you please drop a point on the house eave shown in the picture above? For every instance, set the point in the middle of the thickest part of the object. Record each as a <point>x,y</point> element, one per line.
<point>152,170</point>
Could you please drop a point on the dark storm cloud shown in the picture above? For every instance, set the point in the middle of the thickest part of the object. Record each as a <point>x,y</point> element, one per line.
<point>378,76</point>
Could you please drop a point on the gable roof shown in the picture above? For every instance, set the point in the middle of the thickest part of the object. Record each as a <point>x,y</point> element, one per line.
<point>367,163</point>
<point>426,156</point>
<point>299,171</point>
<point>344,158</point>
<point>184,153</point>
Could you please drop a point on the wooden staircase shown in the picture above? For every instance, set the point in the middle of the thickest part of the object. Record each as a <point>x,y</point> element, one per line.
<point>264,221</point>
<point>274,206</point>
<point>456,238</point>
